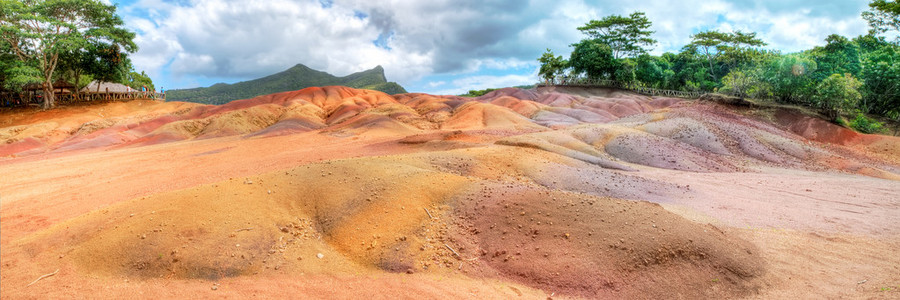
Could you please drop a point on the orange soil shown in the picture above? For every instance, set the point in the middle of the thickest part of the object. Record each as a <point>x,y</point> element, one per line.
<point>340,193</point>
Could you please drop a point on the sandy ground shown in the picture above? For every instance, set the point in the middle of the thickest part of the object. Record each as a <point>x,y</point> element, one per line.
<point>522,195</point>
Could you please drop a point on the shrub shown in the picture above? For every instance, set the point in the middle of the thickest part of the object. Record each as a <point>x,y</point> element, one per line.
<point>865,125</point>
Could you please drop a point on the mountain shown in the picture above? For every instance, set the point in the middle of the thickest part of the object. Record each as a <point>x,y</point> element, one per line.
<point>296,78</point>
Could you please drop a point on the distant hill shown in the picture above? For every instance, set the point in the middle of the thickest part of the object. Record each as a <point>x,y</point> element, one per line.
<point>296,78</point>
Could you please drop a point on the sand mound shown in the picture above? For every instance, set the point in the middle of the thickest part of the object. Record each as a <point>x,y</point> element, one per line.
<point>699,138</point>
<point>405,214</point>
<point>474,115</point>
<point>518,193</point>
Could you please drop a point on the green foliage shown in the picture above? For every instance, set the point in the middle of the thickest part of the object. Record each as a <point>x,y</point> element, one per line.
<point>724,51</point>
<point>691,72</point>
<point>624,70</point>
<point>883,16</point>
<point>838,93</point>
<point>16,74</point>
<point>790,78</point>
<point>839,56</point>
<point>654,71</point>
<point>843,76</point>
<point>137,81</point>
<point>626,36</point>
<point>39,32</point>
<point>478,93</point>
<point>295,78</point>
<point>881,73</point>
<point>865,125</point>
<point>551,65</point>
<point>594,59</point>
<point>745,83</point>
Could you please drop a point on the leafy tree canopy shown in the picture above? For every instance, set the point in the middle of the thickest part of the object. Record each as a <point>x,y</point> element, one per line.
<point>551,65</point>
<point>883,16</point>
<point>626,36</point>
<point>731,49</point>
<point>594,59</point>
<point>838,94</point>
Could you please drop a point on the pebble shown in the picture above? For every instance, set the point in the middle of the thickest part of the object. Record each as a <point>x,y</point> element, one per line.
<point>320,255</point>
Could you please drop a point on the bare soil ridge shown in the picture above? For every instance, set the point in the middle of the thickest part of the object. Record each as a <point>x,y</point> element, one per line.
<point>581,193</point>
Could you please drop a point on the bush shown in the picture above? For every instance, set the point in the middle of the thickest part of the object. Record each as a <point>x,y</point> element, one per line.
<point>865,125</point>
<point>838,94</point>
<point>477,93</point>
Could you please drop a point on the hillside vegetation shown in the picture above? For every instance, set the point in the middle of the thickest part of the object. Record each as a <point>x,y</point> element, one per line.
<point>295,78</point>
<point>849,79</point>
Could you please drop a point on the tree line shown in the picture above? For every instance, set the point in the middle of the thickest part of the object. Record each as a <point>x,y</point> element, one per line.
<point>845,77</point>
<point>76,41</point>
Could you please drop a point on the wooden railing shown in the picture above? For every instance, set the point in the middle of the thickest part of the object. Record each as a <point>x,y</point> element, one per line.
<point>111,96</point>
<point>635,87</point>
<point>16,99</point>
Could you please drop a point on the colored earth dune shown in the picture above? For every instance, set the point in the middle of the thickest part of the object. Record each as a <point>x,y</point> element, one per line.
<point>335,192</point>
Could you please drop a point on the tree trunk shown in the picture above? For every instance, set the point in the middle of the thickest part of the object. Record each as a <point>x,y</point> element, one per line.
<point>49,96</point>
<point>49,67</point>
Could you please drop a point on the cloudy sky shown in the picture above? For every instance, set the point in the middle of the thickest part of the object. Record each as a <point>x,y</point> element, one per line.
<point>434,46</point>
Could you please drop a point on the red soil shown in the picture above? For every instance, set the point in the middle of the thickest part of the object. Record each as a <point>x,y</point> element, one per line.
<point>340,193</point>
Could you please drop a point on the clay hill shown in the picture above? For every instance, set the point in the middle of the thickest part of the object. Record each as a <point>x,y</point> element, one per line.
<point>335,192</point>
<point>295,78</point>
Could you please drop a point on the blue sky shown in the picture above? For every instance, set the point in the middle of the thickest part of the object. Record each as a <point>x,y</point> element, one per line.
<point>436,46</point>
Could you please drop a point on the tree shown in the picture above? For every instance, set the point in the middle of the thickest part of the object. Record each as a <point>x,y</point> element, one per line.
<point>725,50</point>
<point>626,36</point>
<point>839,56</point>
<point>838,94</point>
<point>593,58</point>
<point>691,73</point>
<point>102,62</point>
<point>15,74</point>
<point>138,80</point>
<point>790,79</point>
<point>40,31</point>
<point>551,65</point>
<point>883,16</point>
<point>881,73</point>
<point>654,71</point>
<point>745,83</point>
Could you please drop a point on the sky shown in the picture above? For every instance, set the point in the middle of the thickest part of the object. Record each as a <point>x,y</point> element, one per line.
<point>435,46</point>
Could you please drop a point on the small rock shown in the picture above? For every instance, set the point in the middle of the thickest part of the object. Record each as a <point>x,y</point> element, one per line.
<point>215,288</point>
<point>320,255</point>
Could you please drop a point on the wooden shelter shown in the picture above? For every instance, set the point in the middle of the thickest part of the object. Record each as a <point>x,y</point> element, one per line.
<point>65,92</point>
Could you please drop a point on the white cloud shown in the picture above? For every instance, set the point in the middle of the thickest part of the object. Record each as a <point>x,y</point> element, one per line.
<point>182,41</point>
<point>463,85</point>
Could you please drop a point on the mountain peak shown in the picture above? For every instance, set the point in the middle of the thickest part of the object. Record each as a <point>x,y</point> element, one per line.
<point>295,78</point>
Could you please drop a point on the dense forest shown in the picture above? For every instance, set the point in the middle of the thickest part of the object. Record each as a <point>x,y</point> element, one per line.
<point>847,77</point>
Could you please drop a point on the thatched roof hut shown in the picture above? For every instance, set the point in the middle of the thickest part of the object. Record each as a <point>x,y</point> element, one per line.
<point>103,87</point>
<point>59,86</point>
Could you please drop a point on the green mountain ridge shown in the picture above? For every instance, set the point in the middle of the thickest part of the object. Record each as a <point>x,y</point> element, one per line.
<point>296,78</point>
